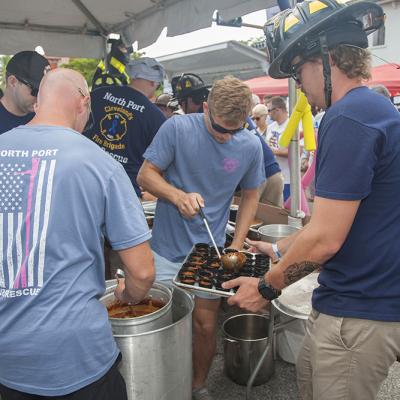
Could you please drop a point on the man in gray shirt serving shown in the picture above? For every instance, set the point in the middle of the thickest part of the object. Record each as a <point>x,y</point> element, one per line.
<point>202,158</point>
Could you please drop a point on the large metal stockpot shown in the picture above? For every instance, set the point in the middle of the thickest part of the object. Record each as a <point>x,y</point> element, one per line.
<point>275,232</point>
<point>245,340</point>
<point>150,322</point>
<point>157,364</point>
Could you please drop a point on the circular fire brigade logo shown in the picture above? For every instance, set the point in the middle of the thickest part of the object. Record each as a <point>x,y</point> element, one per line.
<point>113,127</point>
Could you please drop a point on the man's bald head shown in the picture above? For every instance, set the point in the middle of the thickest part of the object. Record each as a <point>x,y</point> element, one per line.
<point>63,99</point>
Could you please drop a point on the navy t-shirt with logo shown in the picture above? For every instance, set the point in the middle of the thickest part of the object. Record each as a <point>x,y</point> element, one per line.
<point>9,121</point>
<point>359,159</point>
<point>125,122</point>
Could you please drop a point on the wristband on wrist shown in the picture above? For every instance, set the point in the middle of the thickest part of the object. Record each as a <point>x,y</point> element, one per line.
<point>276,250</point>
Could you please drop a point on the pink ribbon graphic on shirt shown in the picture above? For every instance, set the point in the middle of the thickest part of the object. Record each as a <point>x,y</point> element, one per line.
<point>32,172</point>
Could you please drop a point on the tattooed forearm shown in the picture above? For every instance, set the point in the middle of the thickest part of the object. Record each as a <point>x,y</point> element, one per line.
<point>299,270</point>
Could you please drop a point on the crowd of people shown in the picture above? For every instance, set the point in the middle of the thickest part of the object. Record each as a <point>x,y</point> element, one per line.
<point>75,166</point>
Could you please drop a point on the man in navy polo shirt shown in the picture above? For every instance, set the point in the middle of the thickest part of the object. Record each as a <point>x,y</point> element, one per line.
<point>24,72</point>
<point>353,333</point>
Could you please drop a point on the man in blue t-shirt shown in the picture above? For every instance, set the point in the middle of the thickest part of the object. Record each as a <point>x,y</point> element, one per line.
<point>24,72</point>
<point>61,197</point>
<point>125,120</point>
<point>353,331</point>
<point>202,158</point>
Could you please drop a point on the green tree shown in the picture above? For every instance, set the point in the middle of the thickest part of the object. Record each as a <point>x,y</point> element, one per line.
<point>86,66</point>
<point>3,63</point>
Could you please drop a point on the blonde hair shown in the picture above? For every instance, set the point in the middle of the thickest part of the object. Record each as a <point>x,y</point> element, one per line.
<point>260,109</point>
<point>230,99</point>
<point>353,61</point>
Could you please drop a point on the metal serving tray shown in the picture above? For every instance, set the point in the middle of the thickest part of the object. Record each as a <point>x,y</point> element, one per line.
<point>256,265</point>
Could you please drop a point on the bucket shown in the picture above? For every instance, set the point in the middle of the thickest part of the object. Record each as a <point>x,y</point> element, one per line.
<point>245,339</point>
<point>150,322</point>
<point>275,232</point>
<point>147,357</point>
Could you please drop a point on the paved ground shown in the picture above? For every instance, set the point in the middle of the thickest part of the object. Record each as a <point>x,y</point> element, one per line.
<point>282,386</point>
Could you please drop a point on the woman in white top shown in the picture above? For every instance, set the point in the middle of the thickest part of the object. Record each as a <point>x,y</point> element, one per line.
<point>259,115</point>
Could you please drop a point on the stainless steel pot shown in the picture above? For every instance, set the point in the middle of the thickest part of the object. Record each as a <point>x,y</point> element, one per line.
<point>274,232</point>
<point>245,339</point>
<point>157,365</point>
<point>150,322</point>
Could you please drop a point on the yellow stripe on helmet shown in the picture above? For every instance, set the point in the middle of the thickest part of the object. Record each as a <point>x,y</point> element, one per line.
<point>290,21</point>
<point>315,6</point>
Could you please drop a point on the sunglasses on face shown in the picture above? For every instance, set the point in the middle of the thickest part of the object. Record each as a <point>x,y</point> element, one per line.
<point>257,118</point>
<point>34,91</point>
<point>272,109</point>
<point>296,71</point>
<point>221,129</point>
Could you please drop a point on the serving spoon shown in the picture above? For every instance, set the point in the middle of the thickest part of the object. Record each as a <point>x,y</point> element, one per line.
<point>230,261</point>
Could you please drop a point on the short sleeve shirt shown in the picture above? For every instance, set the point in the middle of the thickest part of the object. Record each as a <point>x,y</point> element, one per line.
<point>358,158</point>
<point>125,122</point>
<point>61,196</point>
<point>9,121</point>
<point>193,161</point>
<point>271,166</point>
<point>274,132</point>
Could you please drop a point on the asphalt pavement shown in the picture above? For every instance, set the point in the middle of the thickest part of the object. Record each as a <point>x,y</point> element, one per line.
<point>282,386</point>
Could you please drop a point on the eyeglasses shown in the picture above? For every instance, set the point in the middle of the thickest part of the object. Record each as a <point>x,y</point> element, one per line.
<point>257,118</point>
<point>272,109</point>
<point>82,93</point>
<point>295,70</point>
<point>34,91</point>
<point>221,129</point>
<point>90,122</point>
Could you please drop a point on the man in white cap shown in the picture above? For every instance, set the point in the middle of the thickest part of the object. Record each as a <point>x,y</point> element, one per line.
<point>125,120</point>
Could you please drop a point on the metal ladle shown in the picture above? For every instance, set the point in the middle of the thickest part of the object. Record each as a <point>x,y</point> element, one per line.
<point>203,217</point>
<point>233,261</point>
<point>230,261</point>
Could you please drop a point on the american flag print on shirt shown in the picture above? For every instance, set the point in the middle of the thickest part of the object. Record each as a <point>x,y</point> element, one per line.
<point>26,186</point>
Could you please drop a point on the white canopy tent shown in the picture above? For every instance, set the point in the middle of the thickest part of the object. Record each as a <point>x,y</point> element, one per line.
<point>217,60</point>
<point>78,28</point>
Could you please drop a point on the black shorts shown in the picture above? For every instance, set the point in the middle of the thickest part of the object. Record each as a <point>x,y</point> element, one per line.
<point>110,387</point>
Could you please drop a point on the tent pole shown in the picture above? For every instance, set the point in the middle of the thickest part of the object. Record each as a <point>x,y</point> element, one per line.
<point>294,153</point>
<point>106,51</point>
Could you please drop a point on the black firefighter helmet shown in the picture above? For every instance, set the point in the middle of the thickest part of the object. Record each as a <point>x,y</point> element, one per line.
<point>313,27</point>
<point>189,85</point>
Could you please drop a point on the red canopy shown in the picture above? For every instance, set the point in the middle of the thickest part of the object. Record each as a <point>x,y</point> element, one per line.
<point>386,74</point>
<point>265,85</point>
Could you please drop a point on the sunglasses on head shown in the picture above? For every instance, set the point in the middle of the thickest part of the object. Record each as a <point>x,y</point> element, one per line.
<point>90,121</point>
<point>34,91</point>
<point>221,129</point>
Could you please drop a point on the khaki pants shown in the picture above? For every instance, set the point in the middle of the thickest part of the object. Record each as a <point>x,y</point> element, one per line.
<point>345,358</point>
<point>271,192</point>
